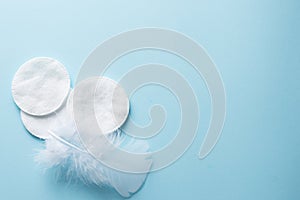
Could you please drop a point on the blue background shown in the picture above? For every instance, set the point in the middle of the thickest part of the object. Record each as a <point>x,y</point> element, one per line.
<point>255,45</point>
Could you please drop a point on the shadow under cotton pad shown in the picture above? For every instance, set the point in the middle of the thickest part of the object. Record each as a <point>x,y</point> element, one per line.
<point>40,86</point>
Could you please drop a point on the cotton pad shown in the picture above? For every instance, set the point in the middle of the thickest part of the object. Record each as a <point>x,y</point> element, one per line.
<point>39,126</point>
<point>106,98</point>
<point>40,86</point>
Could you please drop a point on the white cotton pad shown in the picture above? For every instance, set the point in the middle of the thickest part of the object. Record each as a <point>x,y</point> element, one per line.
<point>39,126</point>
<point>40,86</point>
<point>108,100</point>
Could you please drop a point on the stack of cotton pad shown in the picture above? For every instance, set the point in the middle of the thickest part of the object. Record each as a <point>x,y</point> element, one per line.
<point>40,88</point>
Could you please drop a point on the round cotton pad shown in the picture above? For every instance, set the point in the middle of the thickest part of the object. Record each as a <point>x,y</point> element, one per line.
<point>40,86</point>
<point>39,126</point>
<point>106,98</point>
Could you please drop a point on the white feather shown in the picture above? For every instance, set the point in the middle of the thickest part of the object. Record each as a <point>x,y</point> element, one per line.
<point>65,153</point>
